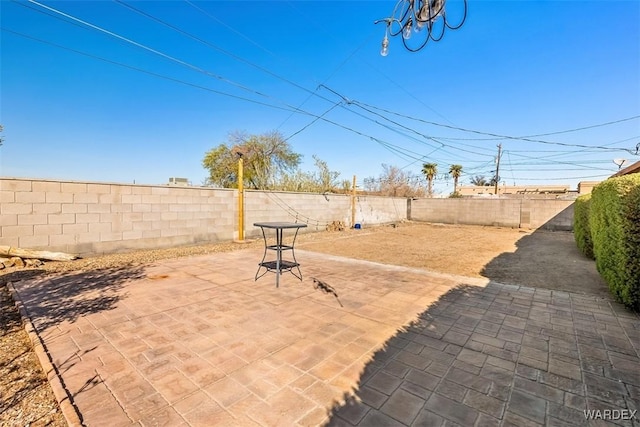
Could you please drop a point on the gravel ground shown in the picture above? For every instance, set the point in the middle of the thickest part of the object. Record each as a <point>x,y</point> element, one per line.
<point>25,394</point>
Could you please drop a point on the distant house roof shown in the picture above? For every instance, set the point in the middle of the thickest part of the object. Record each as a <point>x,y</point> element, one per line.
<point>472,190</point>
<point>634,168</point>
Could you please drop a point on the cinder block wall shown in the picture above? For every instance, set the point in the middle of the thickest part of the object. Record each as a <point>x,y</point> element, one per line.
<point>318,210</point>
<point>380,210</point>
<point>315,210</point>
<point>547,214</point>
<point>95,218</point>
<point>523,213</point>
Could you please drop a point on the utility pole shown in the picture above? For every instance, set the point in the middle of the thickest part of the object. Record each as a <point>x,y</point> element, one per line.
<point>497,178</point>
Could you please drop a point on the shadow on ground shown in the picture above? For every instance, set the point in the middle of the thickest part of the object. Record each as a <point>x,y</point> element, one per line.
<point>21,376</point>
<point>500,355</point>
<point>18,275</point>
<point>548,260</point>
<point>397,384</point>
<point>66,297</point>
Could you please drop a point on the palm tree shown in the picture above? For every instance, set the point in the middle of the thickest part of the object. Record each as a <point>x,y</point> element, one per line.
<point>430,170</point>
<point>455,171</point>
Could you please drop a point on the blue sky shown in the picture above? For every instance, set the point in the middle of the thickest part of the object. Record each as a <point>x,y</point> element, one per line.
<point>515,68</point>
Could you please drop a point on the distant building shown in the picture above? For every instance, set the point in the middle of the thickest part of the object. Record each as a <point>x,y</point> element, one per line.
<point>179,182</point>
<point>483,190</point>
<point>585,187</point>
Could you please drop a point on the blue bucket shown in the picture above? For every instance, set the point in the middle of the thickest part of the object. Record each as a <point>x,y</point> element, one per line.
<point>357,226</point>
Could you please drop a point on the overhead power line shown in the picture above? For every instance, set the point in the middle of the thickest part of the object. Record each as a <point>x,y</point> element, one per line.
<point>240,59</point>
<point>310,94</point>
<point>400,151</point>
<point>391,147</point>
<point>348,101</point>
<point>599,125</point>
<point>564,178</point>
<point>215,47</point>
<point>227,26</point>
<point>313,121</point>
<point>141,70</point>
<point>150,49</point>
<point>387,145</point>
<point>515,137</point>
<point>336,38</point>
<point>281,78</point>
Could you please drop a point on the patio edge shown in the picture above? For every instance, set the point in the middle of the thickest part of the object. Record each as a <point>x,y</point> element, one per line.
<point>475,281</point>
<point>64,399</point>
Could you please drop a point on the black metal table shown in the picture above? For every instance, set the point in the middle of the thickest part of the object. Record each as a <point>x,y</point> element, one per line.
<point>279,265</point>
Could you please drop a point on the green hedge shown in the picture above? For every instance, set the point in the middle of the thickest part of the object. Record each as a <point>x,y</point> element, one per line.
<point>614,220</point>
<point>581,230</point>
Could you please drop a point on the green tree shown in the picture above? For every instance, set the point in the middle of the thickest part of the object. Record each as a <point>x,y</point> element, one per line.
<point>455,171</point>
<point>267,158</point>
<point>429,170</point>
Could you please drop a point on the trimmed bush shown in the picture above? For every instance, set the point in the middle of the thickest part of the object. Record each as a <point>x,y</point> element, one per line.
<point>614,220</point>
<point>581,230</point>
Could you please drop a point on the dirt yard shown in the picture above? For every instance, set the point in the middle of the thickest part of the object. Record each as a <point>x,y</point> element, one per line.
<point>541,259</point>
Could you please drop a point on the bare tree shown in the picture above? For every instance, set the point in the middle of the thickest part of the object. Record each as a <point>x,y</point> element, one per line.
<point>394,182</point>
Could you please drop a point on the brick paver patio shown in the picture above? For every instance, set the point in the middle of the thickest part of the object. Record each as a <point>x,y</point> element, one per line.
<point>195,341</point>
